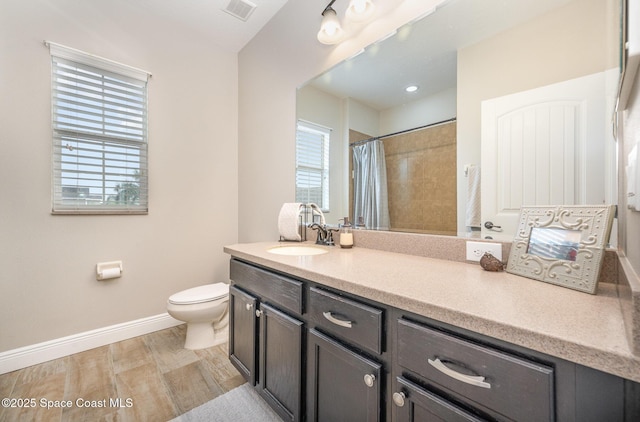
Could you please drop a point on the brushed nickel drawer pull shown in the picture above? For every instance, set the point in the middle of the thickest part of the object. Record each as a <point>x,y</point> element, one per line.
<point>329,316</point>
<point>478,381</point>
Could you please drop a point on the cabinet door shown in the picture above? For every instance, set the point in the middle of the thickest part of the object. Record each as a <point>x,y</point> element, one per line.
<point>412,403</point>
<point>280,380</point>
<point>342,385</point>
<point>242,333</point>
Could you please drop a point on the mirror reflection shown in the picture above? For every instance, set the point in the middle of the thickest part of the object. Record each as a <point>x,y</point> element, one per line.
<point>554,243</point>
<point>407,154</point>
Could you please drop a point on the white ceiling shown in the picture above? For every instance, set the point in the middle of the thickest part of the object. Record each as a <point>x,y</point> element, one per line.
<point>206,17</point>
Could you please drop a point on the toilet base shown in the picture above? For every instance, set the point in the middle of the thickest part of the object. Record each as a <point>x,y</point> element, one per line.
<point>201,335</point>
<point>221,336</point>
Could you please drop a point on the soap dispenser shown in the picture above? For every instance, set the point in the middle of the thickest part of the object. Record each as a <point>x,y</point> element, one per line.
<point>346,236</point>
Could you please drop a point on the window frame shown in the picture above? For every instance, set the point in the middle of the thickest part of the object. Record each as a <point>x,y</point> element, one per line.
<point>322,162</point>
<point>99,151</point>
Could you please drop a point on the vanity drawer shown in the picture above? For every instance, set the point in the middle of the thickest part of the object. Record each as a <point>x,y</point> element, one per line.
<point>519,389</point>
<point>351,320</point>
<point>269,287</point>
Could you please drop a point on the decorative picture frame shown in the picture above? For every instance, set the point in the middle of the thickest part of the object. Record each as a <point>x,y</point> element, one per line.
<point>562,245</point>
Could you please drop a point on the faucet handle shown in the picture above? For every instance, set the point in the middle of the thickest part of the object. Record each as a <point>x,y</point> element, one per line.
<point>329,241</point>
<point>322,233</point>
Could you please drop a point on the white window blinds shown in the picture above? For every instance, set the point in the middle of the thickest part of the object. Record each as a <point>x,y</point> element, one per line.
<point>99,111</point>
<point>312,164</point>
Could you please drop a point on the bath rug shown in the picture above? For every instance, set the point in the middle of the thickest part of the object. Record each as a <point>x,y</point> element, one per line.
<point>242,404</point>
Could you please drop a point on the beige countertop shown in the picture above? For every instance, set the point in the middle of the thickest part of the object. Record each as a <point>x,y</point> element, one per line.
<point>579,327</point>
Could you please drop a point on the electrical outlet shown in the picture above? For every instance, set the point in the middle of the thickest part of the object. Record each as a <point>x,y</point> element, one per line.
<point>475,250</point>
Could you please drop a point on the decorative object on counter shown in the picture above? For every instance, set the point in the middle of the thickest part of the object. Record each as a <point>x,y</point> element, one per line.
<point>346,236</point>
<point>489,262</point>
<point>290,222</point>
<point>562,245</point>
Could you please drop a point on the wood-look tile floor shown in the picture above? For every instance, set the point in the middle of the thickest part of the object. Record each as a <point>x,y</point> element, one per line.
<point>146,378</point>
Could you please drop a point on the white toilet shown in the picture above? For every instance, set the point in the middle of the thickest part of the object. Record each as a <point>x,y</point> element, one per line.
<point>205,310</point>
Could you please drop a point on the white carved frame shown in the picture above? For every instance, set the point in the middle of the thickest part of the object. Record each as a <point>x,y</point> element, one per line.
<point>593,223</point>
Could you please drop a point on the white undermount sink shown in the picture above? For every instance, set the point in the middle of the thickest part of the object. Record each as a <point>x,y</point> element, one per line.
<point>297,250</point>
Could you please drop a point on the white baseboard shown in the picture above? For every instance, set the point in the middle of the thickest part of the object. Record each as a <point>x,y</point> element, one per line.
<point>23,357</point>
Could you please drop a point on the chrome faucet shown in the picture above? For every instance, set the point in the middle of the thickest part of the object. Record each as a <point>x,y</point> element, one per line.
<point>325,234</point>
<point>322,233</point>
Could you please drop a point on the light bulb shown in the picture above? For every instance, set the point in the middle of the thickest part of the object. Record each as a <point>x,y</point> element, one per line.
<point>330,29</point>
<point>360,10</point>
<point>359,6</point>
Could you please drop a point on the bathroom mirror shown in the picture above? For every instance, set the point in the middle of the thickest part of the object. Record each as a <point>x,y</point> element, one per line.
<point>464,53</point>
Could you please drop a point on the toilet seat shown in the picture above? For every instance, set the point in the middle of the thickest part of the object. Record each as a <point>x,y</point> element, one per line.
<point>200,294</point>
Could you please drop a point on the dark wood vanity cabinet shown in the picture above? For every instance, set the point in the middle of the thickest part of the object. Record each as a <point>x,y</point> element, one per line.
<point>318,354</point>
<point>504,385</point>
<point>344,376</point>
<point>280,362</point>
<point>443,370</point>
<point>265,342</point>
<point>342,385</point>
<point>243,333</point>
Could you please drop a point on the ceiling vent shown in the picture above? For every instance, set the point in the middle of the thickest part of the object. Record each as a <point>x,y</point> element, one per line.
<point>241,9</point>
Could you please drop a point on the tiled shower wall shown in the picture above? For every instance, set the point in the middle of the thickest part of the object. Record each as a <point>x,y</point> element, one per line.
<point>421,179</point>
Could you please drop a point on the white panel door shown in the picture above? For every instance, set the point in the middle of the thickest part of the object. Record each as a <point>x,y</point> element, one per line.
<point>544,146</point>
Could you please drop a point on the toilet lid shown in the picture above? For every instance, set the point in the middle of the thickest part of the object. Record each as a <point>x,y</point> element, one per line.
<point>200,294</point>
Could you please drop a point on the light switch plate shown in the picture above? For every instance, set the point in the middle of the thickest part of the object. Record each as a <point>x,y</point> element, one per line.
<point>475,250</point>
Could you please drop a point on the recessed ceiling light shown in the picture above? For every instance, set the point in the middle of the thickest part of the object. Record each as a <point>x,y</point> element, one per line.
<point>411,88</point>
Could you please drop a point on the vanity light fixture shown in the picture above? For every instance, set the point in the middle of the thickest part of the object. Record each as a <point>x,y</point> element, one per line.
<point>330,30</point>
<point>360,10</point>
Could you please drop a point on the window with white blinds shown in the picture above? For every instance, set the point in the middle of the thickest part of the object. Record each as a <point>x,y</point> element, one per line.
<point>312,164</point>
<point>99,111</point>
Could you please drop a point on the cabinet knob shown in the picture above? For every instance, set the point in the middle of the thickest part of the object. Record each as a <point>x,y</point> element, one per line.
<point>258,313</point>
<point>248,306</point>
<point>369,380</point>
<point>398,399</point>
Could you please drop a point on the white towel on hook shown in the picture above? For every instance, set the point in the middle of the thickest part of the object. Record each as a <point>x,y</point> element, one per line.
<point>473,197</point>
<point>289,221</point>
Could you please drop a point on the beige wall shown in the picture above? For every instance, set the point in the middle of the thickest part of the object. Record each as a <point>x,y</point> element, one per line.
<point>48,287</point>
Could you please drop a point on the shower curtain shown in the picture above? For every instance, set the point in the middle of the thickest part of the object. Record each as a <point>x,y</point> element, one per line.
<point>370,185</point>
